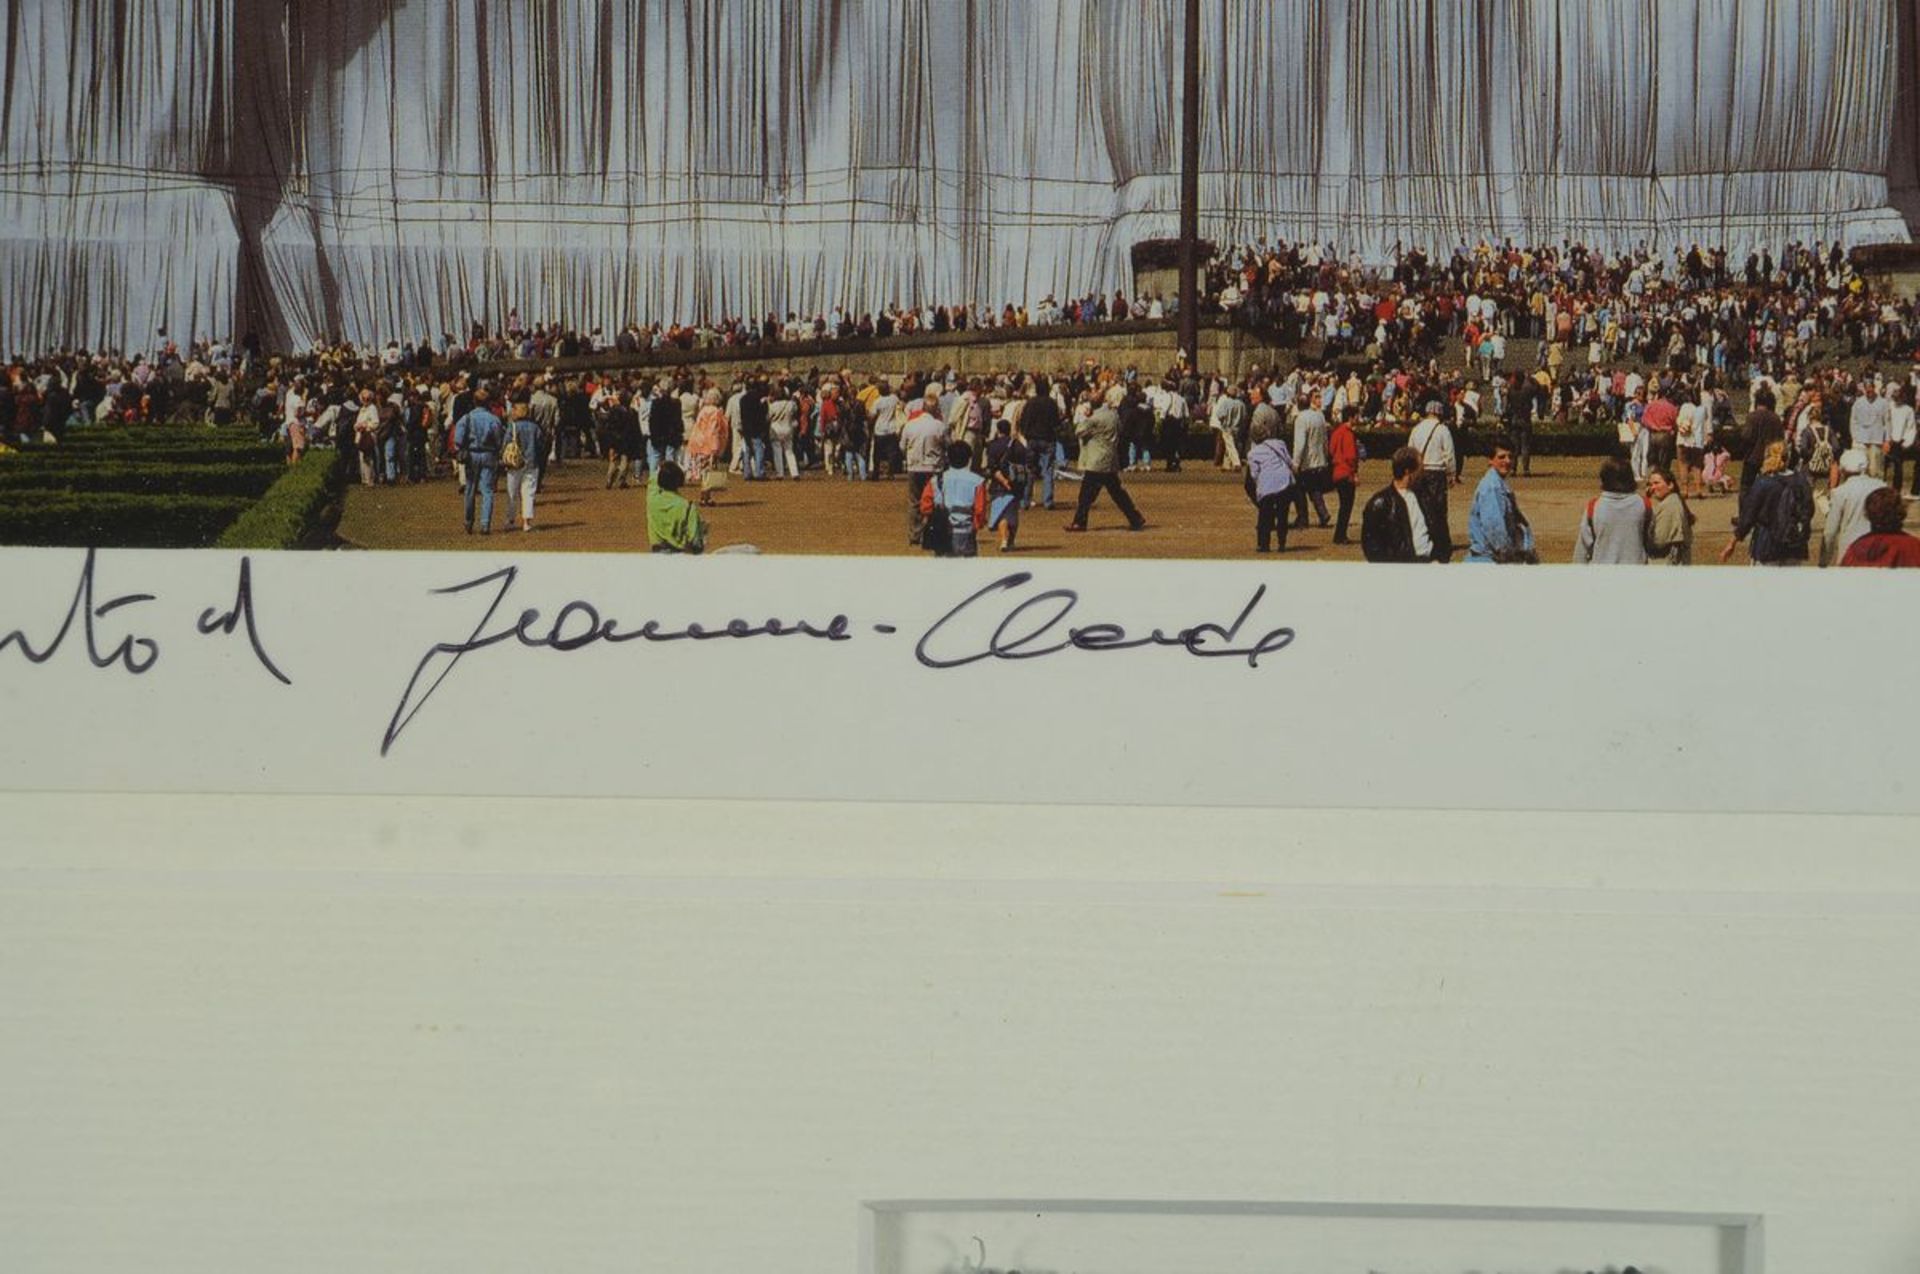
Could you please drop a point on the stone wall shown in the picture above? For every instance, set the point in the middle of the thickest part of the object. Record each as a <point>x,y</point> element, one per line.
<point>1151,347</point>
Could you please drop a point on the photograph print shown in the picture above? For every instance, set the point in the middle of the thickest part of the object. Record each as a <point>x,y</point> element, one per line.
<point>1348,281</point>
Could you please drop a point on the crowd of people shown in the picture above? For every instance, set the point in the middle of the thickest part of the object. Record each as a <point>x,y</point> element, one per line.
<point>696,432</point>
<point>977,453</point>
<point>41,399</point>
<point>1647,352</point>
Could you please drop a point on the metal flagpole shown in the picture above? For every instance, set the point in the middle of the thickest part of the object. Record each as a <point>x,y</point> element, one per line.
<point>1190,196</point>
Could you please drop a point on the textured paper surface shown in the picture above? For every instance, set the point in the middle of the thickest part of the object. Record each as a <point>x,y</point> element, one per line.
<point>1401,688</point>
<point>316,1034</point>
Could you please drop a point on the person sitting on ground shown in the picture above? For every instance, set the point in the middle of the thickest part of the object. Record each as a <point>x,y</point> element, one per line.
<point>1886,546</point>
<point>673,524</point>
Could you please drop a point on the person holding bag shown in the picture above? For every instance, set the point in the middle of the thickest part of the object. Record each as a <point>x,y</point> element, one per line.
<point>954,505</point>
<point>1270,485</point>
<point>706,447</point>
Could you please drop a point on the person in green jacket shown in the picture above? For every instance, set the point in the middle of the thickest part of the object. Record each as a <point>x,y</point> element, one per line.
<point>673,523</point>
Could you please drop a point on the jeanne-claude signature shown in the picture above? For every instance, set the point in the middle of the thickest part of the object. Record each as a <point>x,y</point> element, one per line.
<point>1033,627</point>
<point>137,651</point>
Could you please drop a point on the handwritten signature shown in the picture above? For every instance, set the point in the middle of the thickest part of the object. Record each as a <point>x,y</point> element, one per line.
<point>1035,628</point>
<point>137,652</point>
<point>1007,621</point>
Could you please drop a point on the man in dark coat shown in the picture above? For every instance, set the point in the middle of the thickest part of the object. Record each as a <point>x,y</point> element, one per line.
<point>1393,526</point>
<point>666,427</point>
<point>1040,426</point>
<point>1764,428</point>
<point>756,431</point>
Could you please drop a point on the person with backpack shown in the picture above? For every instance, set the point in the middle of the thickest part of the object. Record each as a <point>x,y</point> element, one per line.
<point>519,457</point>
<point>1813,443</point>
<point>1777,512</point>
<point>1613,531</point>
<point>954,501</point>
<point>1433,440</point>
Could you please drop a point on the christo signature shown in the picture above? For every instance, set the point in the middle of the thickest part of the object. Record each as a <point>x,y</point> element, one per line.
<point>137,650</point>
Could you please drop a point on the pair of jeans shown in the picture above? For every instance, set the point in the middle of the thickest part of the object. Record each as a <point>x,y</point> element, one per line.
<point>1272,520</point>
<point>1345,492</point>
<point>657,454</point>
<point>1091,485</point>
<point>855,461</point>
<point>1300,494</point>
<point>1046,464</point>
<point>481,473</point>
<point>391,454</point>
<point>522,486</point>
<point>754,461</point>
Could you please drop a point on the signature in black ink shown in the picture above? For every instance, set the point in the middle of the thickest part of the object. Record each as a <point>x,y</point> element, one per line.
<point>575,626</point>
<point>211,621</point>
<point>136,654</point>
<point>1032,630</point>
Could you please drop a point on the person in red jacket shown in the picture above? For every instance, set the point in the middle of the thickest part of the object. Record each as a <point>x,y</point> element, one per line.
<point>1887,546</point>
<point>1344,449</point>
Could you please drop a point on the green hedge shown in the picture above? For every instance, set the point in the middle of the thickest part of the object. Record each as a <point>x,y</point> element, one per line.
<point>75,474</point>
<point>299,512</point>
<point>116,520</point>
<point>158,435</point>
<point>140,446</point>
<point>105,457</point>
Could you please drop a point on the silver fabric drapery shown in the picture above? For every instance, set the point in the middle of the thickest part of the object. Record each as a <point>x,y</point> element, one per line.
<point>375,169</point>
